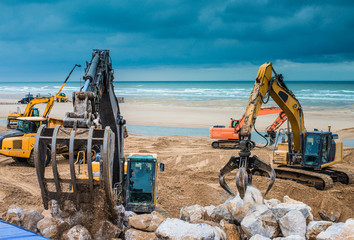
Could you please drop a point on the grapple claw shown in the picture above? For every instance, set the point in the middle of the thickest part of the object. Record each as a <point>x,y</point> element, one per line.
<point>242,181</point>
<point>258,164</point>
<point>244,176</point>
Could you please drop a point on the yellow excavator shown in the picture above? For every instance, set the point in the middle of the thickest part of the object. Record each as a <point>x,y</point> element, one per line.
<point>31,111</point>
<point>305,156</point>
<point>18,143</point>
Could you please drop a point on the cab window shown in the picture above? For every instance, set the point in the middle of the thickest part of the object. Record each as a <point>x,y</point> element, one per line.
<point>235,123</point>
<point>141,183</point>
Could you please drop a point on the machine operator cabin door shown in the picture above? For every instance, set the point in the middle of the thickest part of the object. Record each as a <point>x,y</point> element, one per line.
<point>141,185</point>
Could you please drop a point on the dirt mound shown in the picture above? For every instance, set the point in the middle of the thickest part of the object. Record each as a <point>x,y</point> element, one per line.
<point>190,177</point>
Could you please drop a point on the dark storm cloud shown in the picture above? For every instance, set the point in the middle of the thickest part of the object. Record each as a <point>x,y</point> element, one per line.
<point>154,33</point>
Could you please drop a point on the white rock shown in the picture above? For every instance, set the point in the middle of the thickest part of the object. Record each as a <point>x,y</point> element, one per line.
<point>107,230</point>
<point>77,232</point>
<point>271,202</point>
<point>260,221</point>
<point>146,222</point>
<point>14,214</point>
<point>293,223</point>
<point>175,229</point>
<point>192,214</point>
<point>315,227</point>
<point>52,227</point>
<point>230,230</point>
<point>30,218</point>
<point>221,212</point>
<point>282,209</point>
<point>133,234</point>
<point>208,211</point>
<point>240,207</point>
<point>292,237</point>
<point>259,237</point>
<point>338,231</point>
<point>287,199</point>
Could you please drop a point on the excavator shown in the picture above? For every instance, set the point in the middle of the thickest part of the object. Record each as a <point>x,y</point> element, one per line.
<point>306,157</point>
<point>31,111</point>
<point>94,135</point>
<point>229,137</point>
<point>18,143</point>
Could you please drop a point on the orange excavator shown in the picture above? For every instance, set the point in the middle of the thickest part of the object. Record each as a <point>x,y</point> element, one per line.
<point>229,137</point>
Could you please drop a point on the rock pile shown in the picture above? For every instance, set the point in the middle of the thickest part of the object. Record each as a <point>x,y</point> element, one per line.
<point>250,218</point>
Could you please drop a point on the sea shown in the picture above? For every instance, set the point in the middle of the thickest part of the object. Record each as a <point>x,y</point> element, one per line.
<point>309,93</point>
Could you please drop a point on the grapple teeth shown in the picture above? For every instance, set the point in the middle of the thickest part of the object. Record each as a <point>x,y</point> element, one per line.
<point>224,185</point>
<point>242,181</point>
<point>261,165</point>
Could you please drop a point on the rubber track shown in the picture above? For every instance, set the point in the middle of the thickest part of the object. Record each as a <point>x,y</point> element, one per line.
<point>326,181</point>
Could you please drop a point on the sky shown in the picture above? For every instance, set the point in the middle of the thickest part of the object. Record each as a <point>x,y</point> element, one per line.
<point>41,40</point>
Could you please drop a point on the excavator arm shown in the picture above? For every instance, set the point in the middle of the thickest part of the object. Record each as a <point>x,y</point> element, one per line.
<point>32,103</point>
<point>266,85</point>
<point>94,130</point>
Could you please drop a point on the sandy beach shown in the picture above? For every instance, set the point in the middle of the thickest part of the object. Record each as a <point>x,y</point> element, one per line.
<point>199,114</point>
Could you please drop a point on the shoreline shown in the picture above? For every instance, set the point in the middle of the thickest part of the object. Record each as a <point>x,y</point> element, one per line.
<point>166,112</point>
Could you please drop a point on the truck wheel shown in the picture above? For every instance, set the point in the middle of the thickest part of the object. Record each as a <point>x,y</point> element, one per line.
<point>30,160</point>
<point>8,123</point>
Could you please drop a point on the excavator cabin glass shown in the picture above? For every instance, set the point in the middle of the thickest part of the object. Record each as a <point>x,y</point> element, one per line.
<point>317,149</point>
<point>141,183</point>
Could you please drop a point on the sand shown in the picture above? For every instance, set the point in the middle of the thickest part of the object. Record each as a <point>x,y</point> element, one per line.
<point>204,114</point>
<point>190,177</point>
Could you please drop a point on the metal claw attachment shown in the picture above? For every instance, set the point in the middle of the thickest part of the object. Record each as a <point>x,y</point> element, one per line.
<point>246,166</point>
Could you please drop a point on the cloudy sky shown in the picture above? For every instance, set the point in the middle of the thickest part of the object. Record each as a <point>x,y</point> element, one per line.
<point>178,40</point>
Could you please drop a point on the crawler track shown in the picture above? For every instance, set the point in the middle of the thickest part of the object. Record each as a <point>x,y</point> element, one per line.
<point>228,144</point>
<point>314,179</point>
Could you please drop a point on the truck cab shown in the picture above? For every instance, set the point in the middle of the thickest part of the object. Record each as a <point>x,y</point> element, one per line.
<point>141,180</point>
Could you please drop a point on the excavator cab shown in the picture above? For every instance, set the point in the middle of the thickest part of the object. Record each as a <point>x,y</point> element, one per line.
<point>320,149</point>
<point>141,178</point>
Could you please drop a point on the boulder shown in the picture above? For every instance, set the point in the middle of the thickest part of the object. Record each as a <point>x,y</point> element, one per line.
<point>221,212</point>
<point>52,227</point>
<point>146,222</point>
<point>315,227</point>
<point>30,218</point>
<point>14,214</point>
<point>271,202</point>
<point>338,231</point>
<point>261,221</point>
<point>282,209</point>
<point>77,232</point>
<point>208,211</point>
<point>68,209</point>
<point>240,207</point>
<point>173,229</point>
<point>192,214</point>
<point>331,216</point>
<point>259,237</point>
<point>287,199</point>
<point>107,230</point>
<point>293,223</point>
<point>230,230</point>
<point>133,234</point>
<point>291,237</point>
